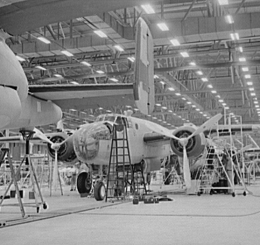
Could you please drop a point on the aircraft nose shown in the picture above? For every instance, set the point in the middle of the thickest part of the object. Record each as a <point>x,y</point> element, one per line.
<point>87,139</point>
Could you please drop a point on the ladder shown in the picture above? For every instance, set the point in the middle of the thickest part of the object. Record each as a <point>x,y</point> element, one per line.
<point>123,178</point>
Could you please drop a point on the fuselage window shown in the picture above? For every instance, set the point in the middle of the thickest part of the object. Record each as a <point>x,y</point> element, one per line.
<point>136,126</point>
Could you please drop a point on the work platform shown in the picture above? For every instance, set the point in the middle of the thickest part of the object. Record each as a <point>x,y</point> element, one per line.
<point>187,219</point>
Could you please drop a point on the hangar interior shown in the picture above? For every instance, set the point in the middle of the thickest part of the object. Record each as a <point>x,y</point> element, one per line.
<point>206,62</point>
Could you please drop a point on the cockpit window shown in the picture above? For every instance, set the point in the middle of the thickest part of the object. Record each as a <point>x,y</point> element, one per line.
<point>109,118</point>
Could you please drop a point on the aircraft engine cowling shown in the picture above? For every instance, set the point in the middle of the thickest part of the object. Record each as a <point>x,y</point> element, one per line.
<point>195,145</point>
<point>66,152</point>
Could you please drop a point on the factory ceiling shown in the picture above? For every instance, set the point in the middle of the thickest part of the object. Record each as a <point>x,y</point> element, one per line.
<point>206,62</point>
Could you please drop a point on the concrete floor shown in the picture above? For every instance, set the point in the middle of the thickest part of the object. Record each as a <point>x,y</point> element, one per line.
<point>187,219</point>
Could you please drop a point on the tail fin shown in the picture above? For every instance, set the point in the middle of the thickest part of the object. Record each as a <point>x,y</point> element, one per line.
<point>144,94</point>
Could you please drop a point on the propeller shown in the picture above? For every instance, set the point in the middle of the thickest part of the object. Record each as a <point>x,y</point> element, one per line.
<point>184,141</point>
<point>55,147</point>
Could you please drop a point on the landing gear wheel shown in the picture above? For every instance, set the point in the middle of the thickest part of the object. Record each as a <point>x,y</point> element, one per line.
<point>244,193</point>
<point>99,191</point>
<point>233,194</point>
<point>84,183</point>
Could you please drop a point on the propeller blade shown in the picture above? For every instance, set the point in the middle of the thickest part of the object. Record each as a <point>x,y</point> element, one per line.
<point>60,125</point>
<point>55,171</point>
<point>186,169</point>
<point>208,124</point>
<point>41,135</point>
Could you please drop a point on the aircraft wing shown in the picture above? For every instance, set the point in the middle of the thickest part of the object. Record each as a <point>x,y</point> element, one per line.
<point>84,96</point>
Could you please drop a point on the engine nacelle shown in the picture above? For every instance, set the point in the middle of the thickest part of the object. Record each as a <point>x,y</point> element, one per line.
<point>66,151</point>
<point>195,145</point>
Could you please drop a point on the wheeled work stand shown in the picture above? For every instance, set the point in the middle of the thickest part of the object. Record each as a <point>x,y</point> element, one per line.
<point>27,134</point>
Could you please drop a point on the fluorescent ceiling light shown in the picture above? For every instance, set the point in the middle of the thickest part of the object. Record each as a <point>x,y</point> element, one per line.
<point>163,26</point>
<point>218,96</point>
<point>193,106</point>
<point>226,107</point>
<point>213,91</point>
<point>257,106</point>
<point>210,86</point>
<point>58,75</point>
<point>113,79</point>
<point>251,89</point>
<point>132,59</point>
<point>183,98</point>
<point>234,36</point>
<point>178,94</point>
<point>242,59</point>
<point>162,82</point>
<point>184,54</point>
<point>67,53</point>
<point>40,68</point>
<point>256,102</point>
<point>100,33</point>
<point>155,76</point>
<point>192,63</point>
<point>171,89</point>
<point>44,40</point>
<point>223,2</point>
<point>204,79</point>
<point>158,104</point>
<point>252,94</point>
<point>175,42</point>
<point>20,58</point>
<point>229,19</point>
<point>85,63</point>
<point>148,8</point>
<point>221,101</point>
<point>73,82</point>
<point>200,73</point>
<point>197,109</point>
<point>169,110</point>
<point>224,104</point>
<point>244,68</point>
<point>188,102</point>
<point>249,83</point>
<point>119,48</point>
<point>247,76</point>
<point>164,107</point>
<point>240,49</point>
<point>100,72</point>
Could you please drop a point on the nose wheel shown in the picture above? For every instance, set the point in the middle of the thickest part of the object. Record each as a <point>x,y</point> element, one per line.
<point>99,191</point>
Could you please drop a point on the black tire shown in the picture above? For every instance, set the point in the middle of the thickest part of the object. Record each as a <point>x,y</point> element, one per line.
<point>99,191</point>
<point>84,183</point>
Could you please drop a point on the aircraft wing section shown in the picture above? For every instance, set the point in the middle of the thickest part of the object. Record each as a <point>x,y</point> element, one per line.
<point>84,96</point>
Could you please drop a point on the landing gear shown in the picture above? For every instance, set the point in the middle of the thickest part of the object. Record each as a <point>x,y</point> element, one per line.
<point>84,183</point>
<point>99,191</point>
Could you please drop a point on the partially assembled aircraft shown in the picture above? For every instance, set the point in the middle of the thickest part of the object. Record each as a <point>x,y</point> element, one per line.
<point>24,107</point>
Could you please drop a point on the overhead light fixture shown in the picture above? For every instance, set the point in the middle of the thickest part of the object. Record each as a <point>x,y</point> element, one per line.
<point>192,63</point>
<point>199,73</point>
<point>244,69</point>
<point>184,54</point>
<point>74,82</point>
<point>218,96</point>
<point>226,107</point>
<point>234,36</point>
<point>188,102</point>
<point>249,83</point>
<point>252,94</point>
<point>178,94</point>
<point>223,2</point>
<point>170,111</point>
<point>148,9</point>
<point>85,63</point>
<point>221,101</point>
<point>229,19</point>
<point>171,89</point>
<point>155,76</point>
<point>256,102</point>
<point>247,76</point>
<point>158,104</point>
<point>100,33</point>
<point>197,109</point>
<point>242,59</point>
<point>132,59</point>
<point>183,98</point>
<point>224,104</point>
<point>58,75</point>
<point>210,86</point>
<point>204,79</point>
<point>113,79</point>
<point>163,26</point>
<point>19,58</point>
<point>164,107</point>
<point>213,91</point>
<point>40,68</point>
<point>67,53</point>
<point>100,72</point>
<point>175,42</point>
<point>240,49</point>
<point>193,106</point>
<point>44,40</point>
<point>251,89</point>
<point>162,82</point>
<point>119,48</point>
